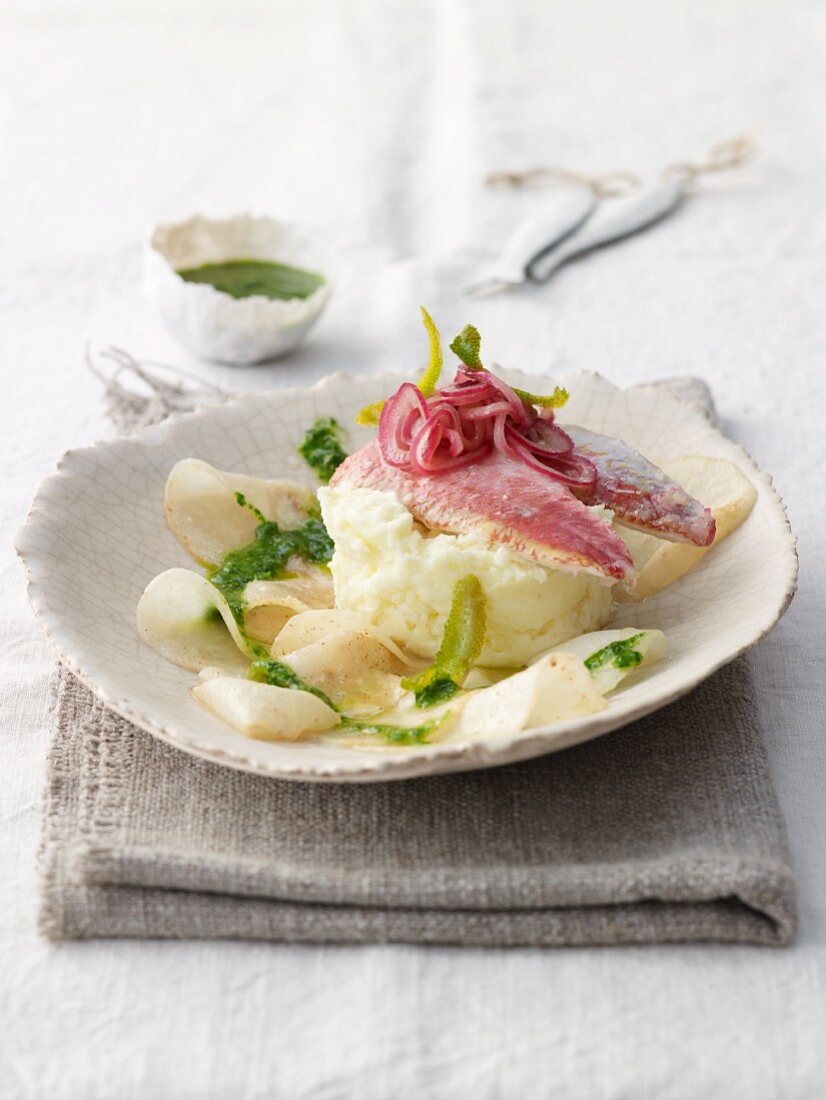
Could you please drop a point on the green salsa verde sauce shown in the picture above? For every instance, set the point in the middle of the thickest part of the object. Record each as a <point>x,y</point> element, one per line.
<point>620,654</point>
<point>273,672</point>
<point>250,278</point>
<point>266,557</point>
<point>394,735</point>
<point>270,671</point>
<point>322,449</point>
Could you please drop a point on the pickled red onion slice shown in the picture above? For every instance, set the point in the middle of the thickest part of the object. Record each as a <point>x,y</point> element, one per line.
<point>462,422</point>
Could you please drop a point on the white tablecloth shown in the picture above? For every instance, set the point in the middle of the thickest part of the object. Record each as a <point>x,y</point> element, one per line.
<point>372,123</point>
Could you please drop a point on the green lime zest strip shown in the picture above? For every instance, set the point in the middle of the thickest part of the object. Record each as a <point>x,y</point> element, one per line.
<point>371,414</point>
<point>461,645</point>
<point>427,382</point>
<point>553,400</point>
<point>467,346</point>
<point>620,654</point>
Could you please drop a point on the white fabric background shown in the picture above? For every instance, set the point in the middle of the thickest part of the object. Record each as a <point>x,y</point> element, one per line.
<point>373,123</point>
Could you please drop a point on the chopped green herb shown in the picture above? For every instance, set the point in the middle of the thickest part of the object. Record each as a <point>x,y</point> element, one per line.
<point>466,347</point>
<point>461,645</point>
<point>266,557</point>
<point>259,278</point>
<point>438,690</point>
<point>394,735</point>
<point>620,654</point>
<point>242,501</point>
<point>322,449</point>
<point>274,672</point>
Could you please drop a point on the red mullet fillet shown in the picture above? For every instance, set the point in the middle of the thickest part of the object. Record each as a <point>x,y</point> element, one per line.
<point>505,502</point>
<point>639,493</point>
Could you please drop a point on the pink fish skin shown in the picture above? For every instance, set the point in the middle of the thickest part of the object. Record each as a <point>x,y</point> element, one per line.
<point>504,501</point>
<point>639,493</point>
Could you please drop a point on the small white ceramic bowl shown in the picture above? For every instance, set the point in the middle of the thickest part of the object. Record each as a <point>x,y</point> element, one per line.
<point>212,324</point>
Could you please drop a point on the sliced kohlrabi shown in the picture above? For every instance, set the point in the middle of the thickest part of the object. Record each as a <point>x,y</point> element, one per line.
<point>612,655</point>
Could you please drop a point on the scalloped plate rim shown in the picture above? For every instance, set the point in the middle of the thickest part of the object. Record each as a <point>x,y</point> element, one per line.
<point>441,757</point>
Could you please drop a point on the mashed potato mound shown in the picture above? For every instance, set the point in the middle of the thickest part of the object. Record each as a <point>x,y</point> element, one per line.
<point>402,577</point>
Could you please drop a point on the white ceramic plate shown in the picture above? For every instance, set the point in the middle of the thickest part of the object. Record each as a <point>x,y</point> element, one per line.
<point>96,536</point>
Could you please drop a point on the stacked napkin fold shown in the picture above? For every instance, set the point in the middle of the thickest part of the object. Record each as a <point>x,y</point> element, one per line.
<point>667,830</point>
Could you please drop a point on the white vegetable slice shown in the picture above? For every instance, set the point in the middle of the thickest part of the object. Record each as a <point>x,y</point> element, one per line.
<point>486,677</point>
<point>555,688</point>
<point>723,488</point>
<point>355,670</point>
<point>263,711</point>
<point>312,626</point>
<point>208,521</point>
<point>649,644</point>
<point>270,604</point>
<point>369,694</point>
<point>176,617</point>
<point>214,672</point>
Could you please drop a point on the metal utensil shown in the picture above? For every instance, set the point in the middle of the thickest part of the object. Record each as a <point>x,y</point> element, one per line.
<point>537,235</point>
<point>622,218</point>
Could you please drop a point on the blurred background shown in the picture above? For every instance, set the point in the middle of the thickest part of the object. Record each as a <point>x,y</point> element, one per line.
<point>373,125</point>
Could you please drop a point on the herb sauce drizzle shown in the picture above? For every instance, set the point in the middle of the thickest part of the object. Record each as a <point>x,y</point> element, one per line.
<point>266,557</point>
<point>322,449</point>
<point>273,672</point>
<point>620,654</point>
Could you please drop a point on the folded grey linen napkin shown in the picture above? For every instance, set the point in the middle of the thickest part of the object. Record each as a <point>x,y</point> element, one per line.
<point>667,830</point>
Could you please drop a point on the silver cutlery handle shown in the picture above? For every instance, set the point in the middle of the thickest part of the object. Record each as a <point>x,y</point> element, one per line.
<point>561,216</point>
<point>613,222</point>
<point>554,223</point>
